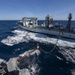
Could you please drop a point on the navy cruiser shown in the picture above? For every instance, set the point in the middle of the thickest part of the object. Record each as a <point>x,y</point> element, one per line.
<point>31,24</point>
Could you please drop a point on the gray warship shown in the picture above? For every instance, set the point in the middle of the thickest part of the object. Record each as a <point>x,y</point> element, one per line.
<point>31,24</point>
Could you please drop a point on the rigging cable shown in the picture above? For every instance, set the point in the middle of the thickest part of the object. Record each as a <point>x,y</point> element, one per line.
<point>50,50</point>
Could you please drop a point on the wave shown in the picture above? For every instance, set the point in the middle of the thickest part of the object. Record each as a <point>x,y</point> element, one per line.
<point>73,72</point>
<point>69,54</point>
<point>24,36</point>
<point>2,61</point>
<point>66,46</point>
<point>25,63</point>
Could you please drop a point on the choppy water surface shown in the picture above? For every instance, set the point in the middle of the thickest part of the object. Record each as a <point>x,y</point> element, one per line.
<point>15,41</point>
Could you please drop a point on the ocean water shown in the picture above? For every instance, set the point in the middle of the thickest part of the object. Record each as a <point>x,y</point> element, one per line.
<point>15,41</point>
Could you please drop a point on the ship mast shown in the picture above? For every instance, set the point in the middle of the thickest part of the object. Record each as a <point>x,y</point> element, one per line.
<point>48,21</point>
<point>68,27</point>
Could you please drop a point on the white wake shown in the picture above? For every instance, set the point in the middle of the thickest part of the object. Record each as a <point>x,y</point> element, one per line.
<point>24,36</point>
<point>2,61</point>
<point>33,67</point>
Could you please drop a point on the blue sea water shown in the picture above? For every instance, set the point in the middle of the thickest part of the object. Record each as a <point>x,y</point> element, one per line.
<point>50,65</point>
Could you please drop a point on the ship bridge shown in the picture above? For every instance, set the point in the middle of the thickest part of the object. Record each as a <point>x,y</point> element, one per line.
<point>29,21</point>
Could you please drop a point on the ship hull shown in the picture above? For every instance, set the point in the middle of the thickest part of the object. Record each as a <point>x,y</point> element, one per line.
<point>49,32</point>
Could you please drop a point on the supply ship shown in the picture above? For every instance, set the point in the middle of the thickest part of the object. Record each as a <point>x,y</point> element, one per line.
<point>31,24</point>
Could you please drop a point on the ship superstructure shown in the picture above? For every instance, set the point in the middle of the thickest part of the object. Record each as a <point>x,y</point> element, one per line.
<point>31,24</point>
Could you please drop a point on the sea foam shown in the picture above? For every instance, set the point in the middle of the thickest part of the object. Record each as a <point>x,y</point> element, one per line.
<point>24,36</point>
<point>32,69</point>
